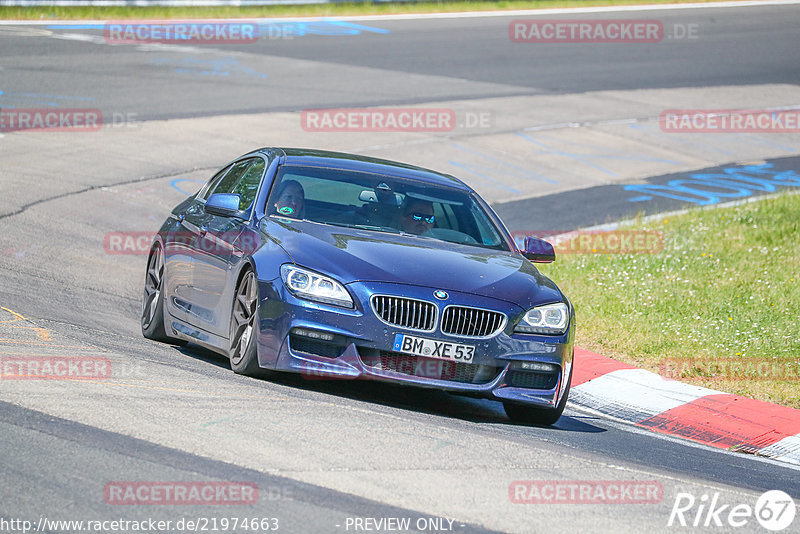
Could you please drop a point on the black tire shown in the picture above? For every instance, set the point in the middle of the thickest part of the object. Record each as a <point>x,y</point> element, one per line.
<point>152,318</point>
<point>244,315</point>
<point>525,413</point>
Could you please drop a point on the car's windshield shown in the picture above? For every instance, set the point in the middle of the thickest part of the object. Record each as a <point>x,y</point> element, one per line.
<point>382,203</point>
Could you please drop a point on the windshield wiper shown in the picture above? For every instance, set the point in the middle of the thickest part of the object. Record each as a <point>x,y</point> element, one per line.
<point>387,229</point>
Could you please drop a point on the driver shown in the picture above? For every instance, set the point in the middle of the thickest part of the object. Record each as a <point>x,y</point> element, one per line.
<point>417,216</point>
<point>290,200</point>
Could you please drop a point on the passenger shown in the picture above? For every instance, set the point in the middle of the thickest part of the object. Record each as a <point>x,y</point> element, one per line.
<point>417,216</point>
<point>290,200</point>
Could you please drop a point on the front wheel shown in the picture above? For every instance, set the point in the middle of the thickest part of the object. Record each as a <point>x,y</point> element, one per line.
<point>243,353</point>
<point>523,413</point>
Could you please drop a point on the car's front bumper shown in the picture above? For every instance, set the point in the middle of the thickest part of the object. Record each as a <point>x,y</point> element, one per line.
<point>292,330</point>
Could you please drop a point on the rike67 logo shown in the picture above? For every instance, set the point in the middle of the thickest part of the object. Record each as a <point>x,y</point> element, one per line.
<point>774,510</point>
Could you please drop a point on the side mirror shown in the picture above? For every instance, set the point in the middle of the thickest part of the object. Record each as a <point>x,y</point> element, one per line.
<point>538,250</point>
<point>223,204</point>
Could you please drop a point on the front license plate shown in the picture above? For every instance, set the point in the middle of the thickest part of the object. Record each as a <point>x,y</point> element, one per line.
<point>429,348</point>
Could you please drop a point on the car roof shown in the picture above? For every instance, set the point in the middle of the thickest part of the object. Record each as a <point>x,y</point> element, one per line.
<point>356,162</point>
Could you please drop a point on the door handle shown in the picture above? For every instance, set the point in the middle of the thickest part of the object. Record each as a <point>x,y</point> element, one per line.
<point>181,217</point>
<point>203,230</point>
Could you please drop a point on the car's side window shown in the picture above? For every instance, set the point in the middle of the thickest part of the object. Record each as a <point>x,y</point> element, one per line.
<point>247,188</point>
<point>231,179</point>
<point>488,234</point>
<point>212,183</point>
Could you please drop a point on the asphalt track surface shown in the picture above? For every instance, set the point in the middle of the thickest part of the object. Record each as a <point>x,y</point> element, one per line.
<point>320,453</point>
<point>735,51</point>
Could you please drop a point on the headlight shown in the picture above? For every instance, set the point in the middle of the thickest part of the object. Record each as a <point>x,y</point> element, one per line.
<point>314,286</point>
<point>547,319</point>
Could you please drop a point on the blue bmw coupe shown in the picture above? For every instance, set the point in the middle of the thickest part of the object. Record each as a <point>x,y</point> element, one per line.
<point>343,266</point>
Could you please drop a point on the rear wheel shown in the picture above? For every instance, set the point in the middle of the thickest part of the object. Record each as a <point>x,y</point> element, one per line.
<point>243,353</point>
<point>153,301</point>
<point>524,413</point>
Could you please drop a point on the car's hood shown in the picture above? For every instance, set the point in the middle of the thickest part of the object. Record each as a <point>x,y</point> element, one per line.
<point>351,255</point>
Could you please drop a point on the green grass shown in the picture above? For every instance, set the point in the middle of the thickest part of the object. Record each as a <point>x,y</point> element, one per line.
<point>725,288</point>
<point>308,10</point>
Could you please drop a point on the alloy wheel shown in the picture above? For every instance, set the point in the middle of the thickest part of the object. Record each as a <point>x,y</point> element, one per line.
<point>244,315</point>
<point>152,287</point>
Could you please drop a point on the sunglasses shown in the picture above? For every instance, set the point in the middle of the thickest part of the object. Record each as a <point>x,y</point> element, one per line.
<point>422,217</point>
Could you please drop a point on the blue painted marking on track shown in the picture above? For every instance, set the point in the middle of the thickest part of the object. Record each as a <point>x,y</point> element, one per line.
<point>520,170</point>
<point>642,198</point>
<point>704,189</point>
<point>39,99</point>
<point>631,157</point>
<point>75,26</point>
<point>174,183</point>
<point>208,67</point>
<point>471,169</point>
<point>355,26</point>
<point>46,96</point>
<point>577,157</point>
<point>287,29</point>
<point>614,155</point>
<point>326,27</point>
<point>693,143</point>
<point>753,137</point>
